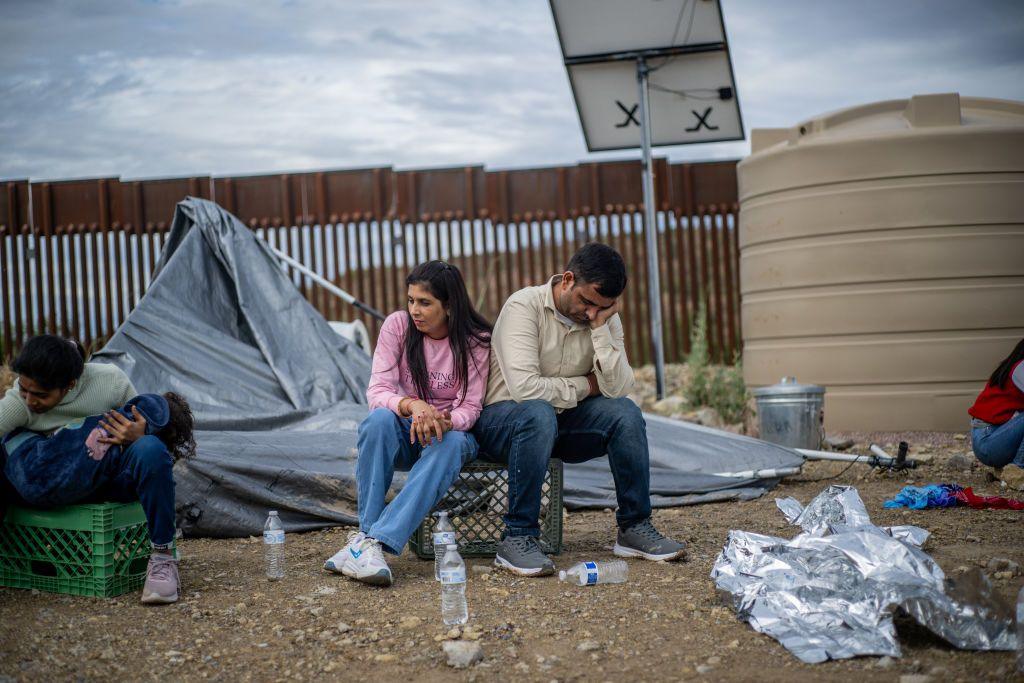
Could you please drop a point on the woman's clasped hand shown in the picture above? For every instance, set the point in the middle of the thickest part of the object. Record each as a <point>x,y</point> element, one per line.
<point>428,423</point>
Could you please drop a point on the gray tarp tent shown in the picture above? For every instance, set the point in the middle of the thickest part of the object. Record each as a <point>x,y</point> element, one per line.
<point>278,395</point>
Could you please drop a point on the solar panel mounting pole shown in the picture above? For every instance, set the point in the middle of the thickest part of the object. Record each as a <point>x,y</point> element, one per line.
<point>651,229</point>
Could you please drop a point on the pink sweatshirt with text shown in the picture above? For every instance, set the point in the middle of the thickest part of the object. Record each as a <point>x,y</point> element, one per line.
<point>391,381</point>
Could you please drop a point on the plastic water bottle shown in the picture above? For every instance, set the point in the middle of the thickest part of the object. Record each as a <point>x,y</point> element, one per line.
<point>443,536</point>
<point>1020,631</point>
<point>453,587</point>
<point>273,544</point>
<point>589,573</point>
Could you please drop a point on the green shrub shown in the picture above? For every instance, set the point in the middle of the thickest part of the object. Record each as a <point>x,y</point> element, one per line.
<point>696,391</point>
<point>716,386</point>
<point>727,392</point>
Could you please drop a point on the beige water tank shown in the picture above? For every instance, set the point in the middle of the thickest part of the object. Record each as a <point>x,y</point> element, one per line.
<point>882,256</point>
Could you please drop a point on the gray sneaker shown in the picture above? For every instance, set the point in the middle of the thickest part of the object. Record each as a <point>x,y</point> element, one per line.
<point>522,555</point>
<point>643,540</point>
<point>161,580</point>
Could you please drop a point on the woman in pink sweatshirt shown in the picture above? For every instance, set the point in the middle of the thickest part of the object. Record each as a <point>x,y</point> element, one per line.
<point>426,391</point>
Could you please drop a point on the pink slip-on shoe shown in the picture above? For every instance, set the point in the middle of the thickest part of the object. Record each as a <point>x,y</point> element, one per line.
<point>161,586</point>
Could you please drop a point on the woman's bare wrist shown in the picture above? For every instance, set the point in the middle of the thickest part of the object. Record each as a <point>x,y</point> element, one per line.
<point>403,411</point>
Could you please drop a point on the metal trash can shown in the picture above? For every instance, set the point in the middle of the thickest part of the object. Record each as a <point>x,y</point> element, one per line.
<point>792,414</point>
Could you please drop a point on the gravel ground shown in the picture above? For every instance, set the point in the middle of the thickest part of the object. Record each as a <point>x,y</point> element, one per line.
<point>666,623</point>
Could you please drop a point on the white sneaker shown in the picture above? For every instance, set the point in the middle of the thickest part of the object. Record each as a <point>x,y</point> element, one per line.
<point>335,561</point>
<point>361,559</point>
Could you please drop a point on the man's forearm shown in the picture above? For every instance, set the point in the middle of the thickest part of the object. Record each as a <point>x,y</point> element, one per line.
<point>611,366</point>
<point>560,392</point>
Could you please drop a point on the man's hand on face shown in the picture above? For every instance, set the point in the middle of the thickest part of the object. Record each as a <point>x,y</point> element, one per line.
<point>603,316</point>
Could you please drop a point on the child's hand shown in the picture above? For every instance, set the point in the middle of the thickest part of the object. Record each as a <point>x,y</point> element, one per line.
<point>122,430</point>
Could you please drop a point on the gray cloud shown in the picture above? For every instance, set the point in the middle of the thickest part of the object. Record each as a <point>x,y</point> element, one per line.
<point>144,89</point>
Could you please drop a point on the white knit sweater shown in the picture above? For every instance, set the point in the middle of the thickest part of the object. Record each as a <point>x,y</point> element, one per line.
<point>101,387</point>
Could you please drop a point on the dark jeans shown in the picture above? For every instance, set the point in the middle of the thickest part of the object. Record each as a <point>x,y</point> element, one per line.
<point>524,436</point>
<point>142,472</point>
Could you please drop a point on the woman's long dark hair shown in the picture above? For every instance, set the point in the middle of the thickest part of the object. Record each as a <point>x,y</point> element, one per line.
<point>1002,372</point>
<point>467,329</point>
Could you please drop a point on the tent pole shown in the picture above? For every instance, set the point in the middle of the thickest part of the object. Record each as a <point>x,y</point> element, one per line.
<point>326,284</point>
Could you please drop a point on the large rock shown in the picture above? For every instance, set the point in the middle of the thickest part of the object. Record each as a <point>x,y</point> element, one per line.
<point>1003,565</point>
<point>839,443</point>
<point>462,654</point>
<point>668,406</point>
<point>960,462</point>
<point>708,417</point>
<point>1013,476</point>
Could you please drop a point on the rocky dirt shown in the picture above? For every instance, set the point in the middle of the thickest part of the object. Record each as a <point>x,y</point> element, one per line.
<point>666,623</point>
<point>674,403</point>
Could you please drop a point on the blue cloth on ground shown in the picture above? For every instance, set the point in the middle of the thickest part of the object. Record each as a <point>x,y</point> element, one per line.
<point>921,497</point>
<point>66,466</point>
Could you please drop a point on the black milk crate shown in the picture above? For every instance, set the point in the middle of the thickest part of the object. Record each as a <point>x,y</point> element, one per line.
<point>475,504</point>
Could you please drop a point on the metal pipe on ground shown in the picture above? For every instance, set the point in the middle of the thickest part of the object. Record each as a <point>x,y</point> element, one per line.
<point>768,473</point>
<point>878,457</point>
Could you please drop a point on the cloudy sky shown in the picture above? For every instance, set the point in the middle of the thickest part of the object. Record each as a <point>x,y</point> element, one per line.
<point>136,88</point>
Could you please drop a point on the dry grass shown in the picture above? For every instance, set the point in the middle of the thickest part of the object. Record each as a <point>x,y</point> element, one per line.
<point>7,378</point>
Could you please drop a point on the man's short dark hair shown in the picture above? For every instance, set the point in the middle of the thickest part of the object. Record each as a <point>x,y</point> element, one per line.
<point>600,265</point>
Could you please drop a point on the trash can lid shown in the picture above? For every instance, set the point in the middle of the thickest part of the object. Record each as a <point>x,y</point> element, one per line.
<point>788,385</point>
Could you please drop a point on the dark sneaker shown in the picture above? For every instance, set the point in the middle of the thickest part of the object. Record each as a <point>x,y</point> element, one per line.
<point>643,540</point>
<point>522,555</point>
<point>161,586</point>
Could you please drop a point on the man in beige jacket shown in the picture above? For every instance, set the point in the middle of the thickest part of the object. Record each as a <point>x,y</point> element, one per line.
<point>558,384</point>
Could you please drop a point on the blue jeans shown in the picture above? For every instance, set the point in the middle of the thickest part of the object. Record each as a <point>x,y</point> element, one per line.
<point>1000,445</point>
<point>384,447</point>
<point>144,472</point>
<point>524,436</point>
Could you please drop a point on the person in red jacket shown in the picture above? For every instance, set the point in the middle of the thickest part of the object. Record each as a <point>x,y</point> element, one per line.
<point>997,416</point>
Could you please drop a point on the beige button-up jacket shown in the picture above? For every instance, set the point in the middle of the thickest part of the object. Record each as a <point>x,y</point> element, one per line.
<point>536,356</point>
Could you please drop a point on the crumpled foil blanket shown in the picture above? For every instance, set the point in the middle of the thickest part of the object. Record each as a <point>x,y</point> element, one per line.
<point>831,592</point>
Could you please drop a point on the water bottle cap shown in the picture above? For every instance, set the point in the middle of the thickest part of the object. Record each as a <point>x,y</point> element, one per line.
<point>273,513</point>
<point>561,575</point>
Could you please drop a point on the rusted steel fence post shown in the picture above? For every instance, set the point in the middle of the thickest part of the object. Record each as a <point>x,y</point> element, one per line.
<point>6,289</point>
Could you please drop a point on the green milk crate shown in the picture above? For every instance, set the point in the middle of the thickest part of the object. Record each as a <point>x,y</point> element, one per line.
<point>100,550</point>
<point>476,503</point>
